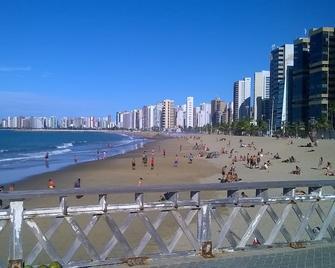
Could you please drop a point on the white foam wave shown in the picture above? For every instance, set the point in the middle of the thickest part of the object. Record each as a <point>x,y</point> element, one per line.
<point>65,145</point>
<point>3,150</point>
<point>39,155</point>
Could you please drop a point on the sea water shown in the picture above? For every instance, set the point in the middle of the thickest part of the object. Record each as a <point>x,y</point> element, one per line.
<point>27,153</point>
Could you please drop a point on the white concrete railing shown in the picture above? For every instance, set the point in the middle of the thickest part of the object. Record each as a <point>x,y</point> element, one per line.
<point>273,213</point>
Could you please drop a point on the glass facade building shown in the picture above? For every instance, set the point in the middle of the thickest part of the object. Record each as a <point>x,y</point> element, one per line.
<point>321,99</point>
<point>298,106</point>
<point>281,59</point>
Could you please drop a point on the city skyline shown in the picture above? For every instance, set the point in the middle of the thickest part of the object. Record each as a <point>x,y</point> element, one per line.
<point>58,59</point>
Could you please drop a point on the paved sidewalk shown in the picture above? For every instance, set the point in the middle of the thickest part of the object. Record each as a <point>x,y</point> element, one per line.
<point>318,256</point>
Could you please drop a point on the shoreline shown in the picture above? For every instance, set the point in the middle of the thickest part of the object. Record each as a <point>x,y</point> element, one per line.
<point>116,170</point>
<point>136,141</point>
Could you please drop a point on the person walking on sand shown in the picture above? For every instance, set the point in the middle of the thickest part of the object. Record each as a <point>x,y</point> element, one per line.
<point>320,162</point>
<point>76,185</point>
<point>133,164</point>
<point>152,163</point>
<point>175,164</point>
<point>164,153</point>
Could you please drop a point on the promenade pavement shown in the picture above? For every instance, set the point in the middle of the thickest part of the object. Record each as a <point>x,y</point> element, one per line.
<point>312,256</point>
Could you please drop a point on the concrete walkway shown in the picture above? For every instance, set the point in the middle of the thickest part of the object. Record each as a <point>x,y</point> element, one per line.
<point>318,256</point>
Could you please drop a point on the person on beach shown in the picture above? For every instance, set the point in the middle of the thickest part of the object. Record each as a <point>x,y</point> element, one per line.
<point>1,190</point>
<point>190,158</point>
<point>320,162</point>
<point>140,182</point>
<point>223,172</point>
<point>11,187</point>
<point>133,164</point>
<point>152,163</point>
<point>46,157</point>
<point>164,153</point>
<point>144,159</point>
<point>51,184</point>
<point>296,171</point>
<point>175,164</point>
<point>76,185</point>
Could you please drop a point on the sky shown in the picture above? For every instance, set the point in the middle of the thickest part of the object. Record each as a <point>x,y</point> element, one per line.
<point>98,57</point>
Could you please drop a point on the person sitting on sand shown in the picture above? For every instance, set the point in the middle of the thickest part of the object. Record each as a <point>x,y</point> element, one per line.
<point>328,166</point>
<point>291,159</point>
<point>296,171</point>
<point>51,184</point>
<point>264,166</point>
<point>330,173</point>
<point>276,156</point>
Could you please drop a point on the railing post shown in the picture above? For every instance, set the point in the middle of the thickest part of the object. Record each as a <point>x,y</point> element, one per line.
<point>62,204</point>
<point>139,199</point>
<point>103,202</point>
<point>204,231</point>
<point>15,244</point>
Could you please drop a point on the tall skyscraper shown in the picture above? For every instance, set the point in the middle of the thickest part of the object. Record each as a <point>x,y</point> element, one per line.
<point>189,112</point>
<point>313,87</point>
<point>298,106</point>
<point>321,99</point>
<point>180,117</point>
<point>241,95</point>
<point>261,93</point>
<point>217,109</point>
<point>168,115</point>
<point>281,60</point>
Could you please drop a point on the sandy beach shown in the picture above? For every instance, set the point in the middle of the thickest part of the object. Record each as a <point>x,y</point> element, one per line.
<point>118,171</point>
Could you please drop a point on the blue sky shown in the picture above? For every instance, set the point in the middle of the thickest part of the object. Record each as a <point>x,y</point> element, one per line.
<point>98,57</point>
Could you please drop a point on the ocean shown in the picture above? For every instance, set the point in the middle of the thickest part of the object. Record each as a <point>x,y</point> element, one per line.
<point>27,153</point>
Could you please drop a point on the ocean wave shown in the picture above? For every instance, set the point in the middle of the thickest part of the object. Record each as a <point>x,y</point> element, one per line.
<point>65,145</point>
<point>39,155</point>
<point>3,150</point>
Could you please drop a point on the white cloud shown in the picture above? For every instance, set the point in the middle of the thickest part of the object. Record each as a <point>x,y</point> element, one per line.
<point>15,69</point>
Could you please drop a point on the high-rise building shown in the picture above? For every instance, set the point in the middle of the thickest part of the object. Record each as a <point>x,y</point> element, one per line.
<point>313,87</point>
<point>189,112</point>
<point>158,115</point>
<point>168,115</point>
<point>148,117</point>
<point>321,101</point>
<point>241,95</point>
<point>217,109</point>
<point>180,117</point>
<point>281,60</point>
<point>261,93</point>
<point>204,117</point>
<point>298,93</point>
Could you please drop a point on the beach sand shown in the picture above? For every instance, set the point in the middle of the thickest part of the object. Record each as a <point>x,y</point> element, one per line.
<point>118,171</point>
